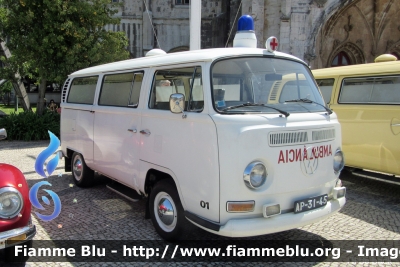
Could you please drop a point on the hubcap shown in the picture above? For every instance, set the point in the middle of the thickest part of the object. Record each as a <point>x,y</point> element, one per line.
<point>165,212</point>
<point>77,168</point>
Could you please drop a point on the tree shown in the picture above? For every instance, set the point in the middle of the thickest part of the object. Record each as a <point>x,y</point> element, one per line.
<point>14,77</point>
<point>49,39</point>
<point>5,91</point>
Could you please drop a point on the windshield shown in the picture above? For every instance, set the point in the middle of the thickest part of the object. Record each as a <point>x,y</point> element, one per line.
<point>264,85</point>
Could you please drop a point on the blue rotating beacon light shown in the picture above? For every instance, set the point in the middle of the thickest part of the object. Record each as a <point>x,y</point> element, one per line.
<point>245,36</point>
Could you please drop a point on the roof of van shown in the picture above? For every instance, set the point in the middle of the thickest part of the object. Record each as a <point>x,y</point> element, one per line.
<point>201,55</point>
<point>359,69</point>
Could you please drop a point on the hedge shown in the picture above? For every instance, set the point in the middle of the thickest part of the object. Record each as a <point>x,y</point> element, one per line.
<point>28,126</point>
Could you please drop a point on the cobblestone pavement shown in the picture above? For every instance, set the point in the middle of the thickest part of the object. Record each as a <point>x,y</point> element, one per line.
<point>372,212</point>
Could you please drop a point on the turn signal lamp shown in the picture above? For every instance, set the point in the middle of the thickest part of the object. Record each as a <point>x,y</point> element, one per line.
<point>245,36</point>
<point>240,206</point>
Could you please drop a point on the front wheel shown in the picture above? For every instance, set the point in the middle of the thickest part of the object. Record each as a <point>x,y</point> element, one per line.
<point>166,212</point>
<point>83,175</point>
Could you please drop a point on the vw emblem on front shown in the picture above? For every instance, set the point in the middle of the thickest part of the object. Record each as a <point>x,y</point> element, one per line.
<point>309,164</point>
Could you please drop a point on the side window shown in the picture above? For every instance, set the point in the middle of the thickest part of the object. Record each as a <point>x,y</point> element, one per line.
<point>300,89</point>
<point>82,90</point>
<point>371,90</point>
<point>386,90</point>
<point>356,90</point>
<point>326,86</point>
<point>136,87</point>
<point>121,90</point>
<point>186,81</point>
<point>227,89</point>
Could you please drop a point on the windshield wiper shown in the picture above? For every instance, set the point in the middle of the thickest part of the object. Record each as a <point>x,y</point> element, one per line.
<point>305,100</point>
<point>248,104</point>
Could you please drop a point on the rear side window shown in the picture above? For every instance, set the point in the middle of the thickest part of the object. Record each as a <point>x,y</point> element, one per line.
<point>121,90</point>
<point>82,90</point>
<point>371,90</point>
<point>326,86</point>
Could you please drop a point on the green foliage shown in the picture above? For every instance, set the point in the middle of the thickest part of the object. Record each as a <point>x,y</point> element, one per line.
<point>5,91</point>
<point>6,87</point>
<point>8,109</point>
<point>29,126</point>
<point>50,39</point>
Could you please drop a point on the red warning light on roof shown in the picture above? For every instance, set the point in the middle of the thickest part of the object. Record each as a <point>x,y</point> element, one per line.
<point>272,44</point>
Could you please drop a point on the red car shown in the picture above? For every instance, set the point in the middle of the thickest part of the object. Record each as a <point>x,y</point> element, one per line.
<point>15,209</point>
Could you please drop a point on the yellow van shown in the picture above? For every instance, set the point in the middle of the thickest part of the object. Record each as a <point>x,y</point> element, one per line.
<point>366,99</point>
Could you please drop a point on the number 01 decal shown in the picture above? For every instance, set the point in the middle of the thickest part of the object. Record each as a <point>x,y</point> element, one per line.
<point>204,205</point>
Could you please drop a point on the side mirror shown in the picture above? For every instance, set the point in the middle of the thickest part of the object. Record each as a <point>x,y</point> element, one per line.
<point>177,104</point>
<point>3,134</point>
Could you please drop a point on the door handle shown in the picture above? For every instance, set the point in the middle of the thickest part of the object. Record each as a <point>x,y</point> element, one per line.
<point>145,132</point>
<point>132,130</point>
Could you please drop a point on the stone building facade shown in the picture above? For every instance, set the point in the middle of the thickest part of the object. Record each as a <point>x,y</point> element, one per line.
<point>328,33</point>
<point>164,24</point>
<point>324,33</point>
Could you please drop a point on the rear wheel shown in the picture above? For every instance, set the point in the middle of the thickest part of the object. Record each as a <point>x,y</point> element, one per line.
<point>166,212</point>
<point>83,175</point>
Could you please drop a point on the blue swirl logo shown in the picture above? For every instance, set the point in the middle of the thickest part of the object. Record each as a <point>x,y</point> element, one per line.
<point>35,202</point>
<point>45,154</point>
<point>50,167</point>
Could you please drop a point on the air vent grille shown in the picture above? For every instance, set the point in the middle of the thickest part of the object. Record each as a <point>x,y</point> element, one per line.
<point>64,90</point>
<point>322,135</point>
<point>274,91</point>
<point>301,137</point>
<point>292,138</point>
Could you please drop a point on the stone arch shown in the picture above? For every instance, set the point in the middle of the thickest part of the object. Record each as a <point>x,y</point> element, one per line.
<point>179,49</point>
<point>330,12</point>
<point>366,28</point>
<point>355,54</point>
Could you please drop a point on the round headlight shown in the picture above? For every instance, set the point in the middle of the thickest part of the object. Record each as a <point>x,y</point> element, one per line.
<point>255,175</point>
<point>10,202</point>
<point>338,161</point>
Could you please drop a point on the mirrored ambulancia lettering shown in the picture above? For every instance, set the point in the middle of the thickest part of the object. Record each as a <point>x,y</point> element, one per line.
<point>301,154</point>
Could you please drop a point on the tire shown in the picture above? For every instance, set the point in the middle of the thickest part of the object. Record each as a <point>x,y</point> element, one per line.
<point>82,174</point>
<point>167,213</point>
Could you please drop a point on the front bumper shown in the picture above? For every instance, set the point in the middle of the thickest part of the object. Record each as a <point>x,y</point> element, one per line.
<point>279,223</point>
<point>17,236</point>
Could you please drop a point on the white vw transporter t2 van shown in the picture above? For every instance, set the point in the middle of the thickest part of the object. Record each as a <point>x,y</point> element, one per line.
<point>206,138</point>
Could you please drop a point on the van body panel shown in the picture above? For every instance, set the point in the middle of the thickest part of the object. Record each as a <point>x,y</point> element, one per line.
<point>189,148</point>
<point>262,226</point>
<point>286,181</point>
<point>368,140</point>
<point>203,55</point>
<point>77,130</point>
<point>116,145</point>
<point>371,140</point>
